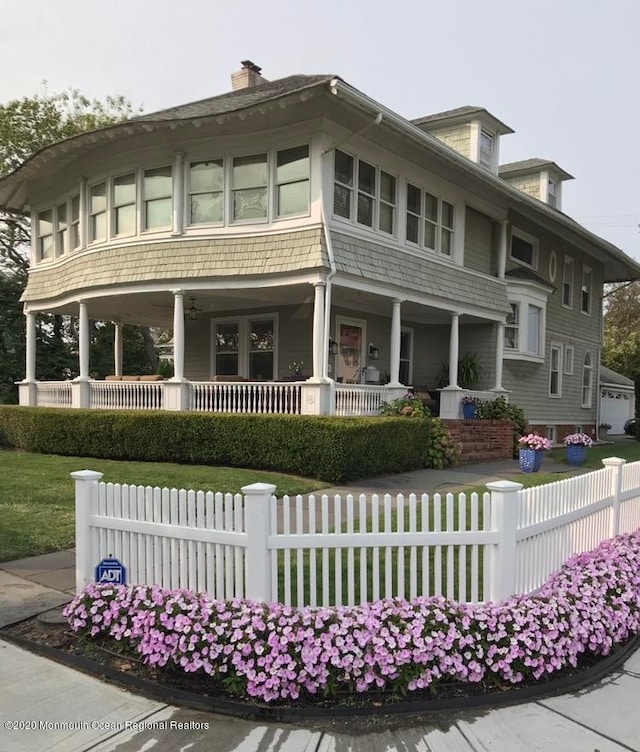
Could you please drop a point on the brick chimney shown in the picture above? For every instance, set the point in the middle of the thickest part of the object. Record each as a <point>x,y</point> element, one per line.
<point>248,76</point>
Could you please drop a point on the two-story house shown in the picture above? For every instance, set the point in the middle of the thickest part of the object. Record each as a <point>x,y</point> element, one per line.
<point>314,251</point>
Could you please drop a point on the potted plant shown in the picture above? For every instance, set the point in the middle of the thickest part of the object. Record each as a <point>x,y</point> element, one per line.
<point>603,430</point>
<point>296,366</point>
<point>576,448</point>
<point>468,407</point>
<point>531,450</point>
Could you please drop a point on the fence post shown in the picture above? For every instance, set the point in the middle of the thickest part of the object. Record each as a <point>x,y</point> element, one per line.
<point>614,466</point>
<point>86,505</point>
<point>504,521</point>
<point>257,555</point>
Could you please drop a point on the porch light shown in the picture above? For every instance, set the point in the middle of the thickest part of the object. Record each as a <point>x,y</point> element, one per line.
<point>193,311</point>
<point>333,347</point>
<point>374,352</point>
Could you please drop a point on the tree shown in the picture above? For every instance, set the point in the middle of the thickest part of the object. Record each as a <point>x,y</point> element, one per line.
<point>26,126</point>
<point>621,351</point>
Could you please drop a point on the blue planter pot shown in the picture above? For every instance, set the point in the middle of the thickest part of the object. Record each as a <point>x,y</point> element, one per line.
<point>576,454</point>
<point>530,460</point>
<point>468,412</point>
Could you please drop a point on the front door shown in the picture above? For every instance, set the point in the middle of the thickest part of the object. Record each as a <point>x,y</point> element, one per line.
<point>350,361</point>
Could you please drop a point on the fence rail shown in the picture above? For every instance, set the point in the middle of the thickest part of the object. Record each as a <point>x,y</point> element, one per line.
<point>246,397</point>
<point>126,395</point>
<point>360,399</point>
<point>54,394</point>
<point>347,550</point>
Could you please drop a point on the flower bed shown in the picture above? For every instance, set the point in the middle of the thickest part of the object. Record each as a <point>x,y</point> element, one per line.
<point>276,653</point>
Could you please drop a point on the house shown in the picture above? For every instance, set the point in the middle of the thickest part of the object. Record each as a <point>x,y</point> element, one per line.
<point>617,399</point>
<point>314,251</point>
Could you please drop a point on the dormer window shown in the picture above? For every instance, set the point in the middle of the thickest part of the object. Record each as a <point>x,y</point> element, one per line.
<point>552,194</point>
<point>485,152</point>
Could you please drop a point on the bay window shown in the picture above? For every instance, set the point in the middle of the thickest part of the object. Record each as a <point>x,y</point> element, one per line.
<point>45,235</point>
<point>292,181</point>
<point>250,187</point>
<point>206,192</point>
<point>124,204</point>
<point>62,229</point>
<point>157,190</point>
<point>524,330</point>
<point>98,212</point>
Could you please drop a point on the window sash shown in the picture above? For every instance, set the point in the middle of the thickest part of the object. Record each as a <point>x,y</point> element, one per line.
<point>587,381</point>
<point>585,291</point>
<point>45,234</point>
<point>512,328</point>
<point>523,250</point>
<point>98,212</point>
<point>567,283</point>
<point>62,228</point>
<point>555,360</point>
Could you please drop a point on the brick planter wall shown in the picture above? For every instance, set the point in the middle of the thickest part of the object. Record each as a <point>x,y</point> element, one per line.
<point>482,439</point>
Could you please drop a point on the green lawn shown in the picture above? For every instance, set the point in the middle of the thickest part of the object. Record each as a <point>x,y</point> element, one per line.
<point>37,493</point>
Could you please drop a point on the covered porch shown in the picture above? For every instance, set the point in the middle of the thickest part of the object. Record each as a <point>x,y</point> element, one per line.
<point>318,346</point>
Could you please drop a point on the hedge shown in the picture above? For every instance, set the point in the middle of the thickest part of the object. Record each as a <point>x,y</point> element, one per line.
<point>332,449</point>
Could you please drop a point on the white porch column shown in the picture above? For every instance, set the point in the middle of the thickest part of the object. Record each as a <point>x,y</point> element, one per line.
<point>396,330</point>
<point>83,341</point>
<point>502,248</point>
<point>178,193</point>
<point>454,350</point>
<point>30,329</point>
<point>318,331</point>
<point>499,355</point>
<point>117,348</point>
<point>178,335</point>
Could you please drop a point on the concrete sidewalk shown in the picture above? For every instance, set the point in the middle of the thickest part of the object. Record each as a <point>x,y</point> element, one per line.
<point>44,705</point>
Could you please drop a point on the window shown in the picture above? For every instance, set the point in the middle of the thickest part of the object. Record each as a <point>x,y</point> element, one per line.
<point>524,249</point>
<point>45,234</point>
<point>587,380</point>
<point>552,194</point>
<point>555,372</point>
<point>227,337</point>
<point>292,181</point>
<point>250,187</point>
<point>75,221</point>
<point>261,350</point>
<point>406,356</point>
<point>551,434</point>
<point>485,152</point>
<point>343,185</point>
<point>387,219</point>
<point>206,191</point>
<point>568,360</point>
<point>567,282</point>
<point>430,220</point>
<point>62,229</point>
<point>534,329</point>
<point>366,193</point>
<point>511,329</point>
<point>124,204</point>
<point>98,212</point>
<point>157,198</point>
<point>585,290</point>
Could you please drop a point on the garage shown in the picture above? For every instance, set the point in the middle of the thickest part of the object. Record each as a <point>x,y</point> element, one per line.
<point>617,399</point>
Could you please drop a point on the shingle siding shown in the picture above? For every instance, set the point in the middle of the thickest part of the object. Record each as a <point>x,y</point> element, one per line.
<point>478,241</point>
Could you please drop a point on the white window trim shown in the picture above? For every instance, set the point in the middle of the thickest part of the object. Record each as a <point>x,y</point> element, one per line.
<point>526,293</point>
<point>144,230</point>
<point>584,403</point>
<point>586,268</point>
<point>567,263</point>
<point>558,348</point>
<point>107,211</point>
<point>551,433</point>
<point>569,355</point>
<point>272,156</point>
<point>527,239</point>
<point>111,223</point>
<point>243,341</point>
<point>187,192</point>
<point>409,330</point>
<point>438,224</point>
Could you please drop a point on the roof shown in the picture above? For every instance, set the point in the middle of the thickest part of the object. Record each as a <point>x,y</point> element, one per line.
<point>235,100</point>
<point>532,165</point>
<point>521,272</point>
<point>607,376</point>
<point>463,113</point>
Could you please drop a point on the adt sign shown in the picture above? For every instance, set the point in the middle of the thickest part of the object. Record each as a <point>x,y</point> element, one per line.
<point>112,572</point>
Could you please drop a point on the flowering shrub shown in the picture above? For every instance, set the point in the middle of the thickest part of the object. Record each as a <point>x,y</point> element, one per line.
<point>468,400</point>
<point>411,406</point>
<point>581,439</point>
<point>277,653</point>
<point>534,441</point>
<point>296,366</point>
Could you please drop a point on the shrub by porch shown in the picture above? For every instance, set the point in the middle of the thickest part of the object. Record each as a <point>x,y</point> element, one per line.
<point>333,449</point>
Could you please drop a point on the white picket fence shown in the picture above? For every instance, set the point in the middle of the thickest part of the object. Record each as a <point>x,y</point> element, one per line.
<point>345,550</point>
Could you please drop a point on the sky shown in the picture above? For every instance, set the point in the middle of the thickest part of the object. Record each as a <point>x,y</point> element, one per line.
<point>562,73</point>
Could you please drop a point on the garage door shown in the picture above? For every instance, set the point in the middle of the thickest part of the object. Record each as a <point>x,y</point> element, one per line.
<point>615,409</point>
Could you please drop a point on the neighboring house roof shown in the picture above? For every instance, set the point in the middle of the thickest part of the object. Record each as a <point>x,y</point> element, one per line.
<point>607,376</point>
<point>463,113</point>
<point>529,165</point>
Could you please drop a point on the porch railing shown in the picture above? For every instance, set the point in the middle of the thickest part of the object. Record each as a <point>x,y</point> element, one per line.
<point>54,394</point>
<point>360,399</point>
<point>246,397</point>
<point>126,395</point>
